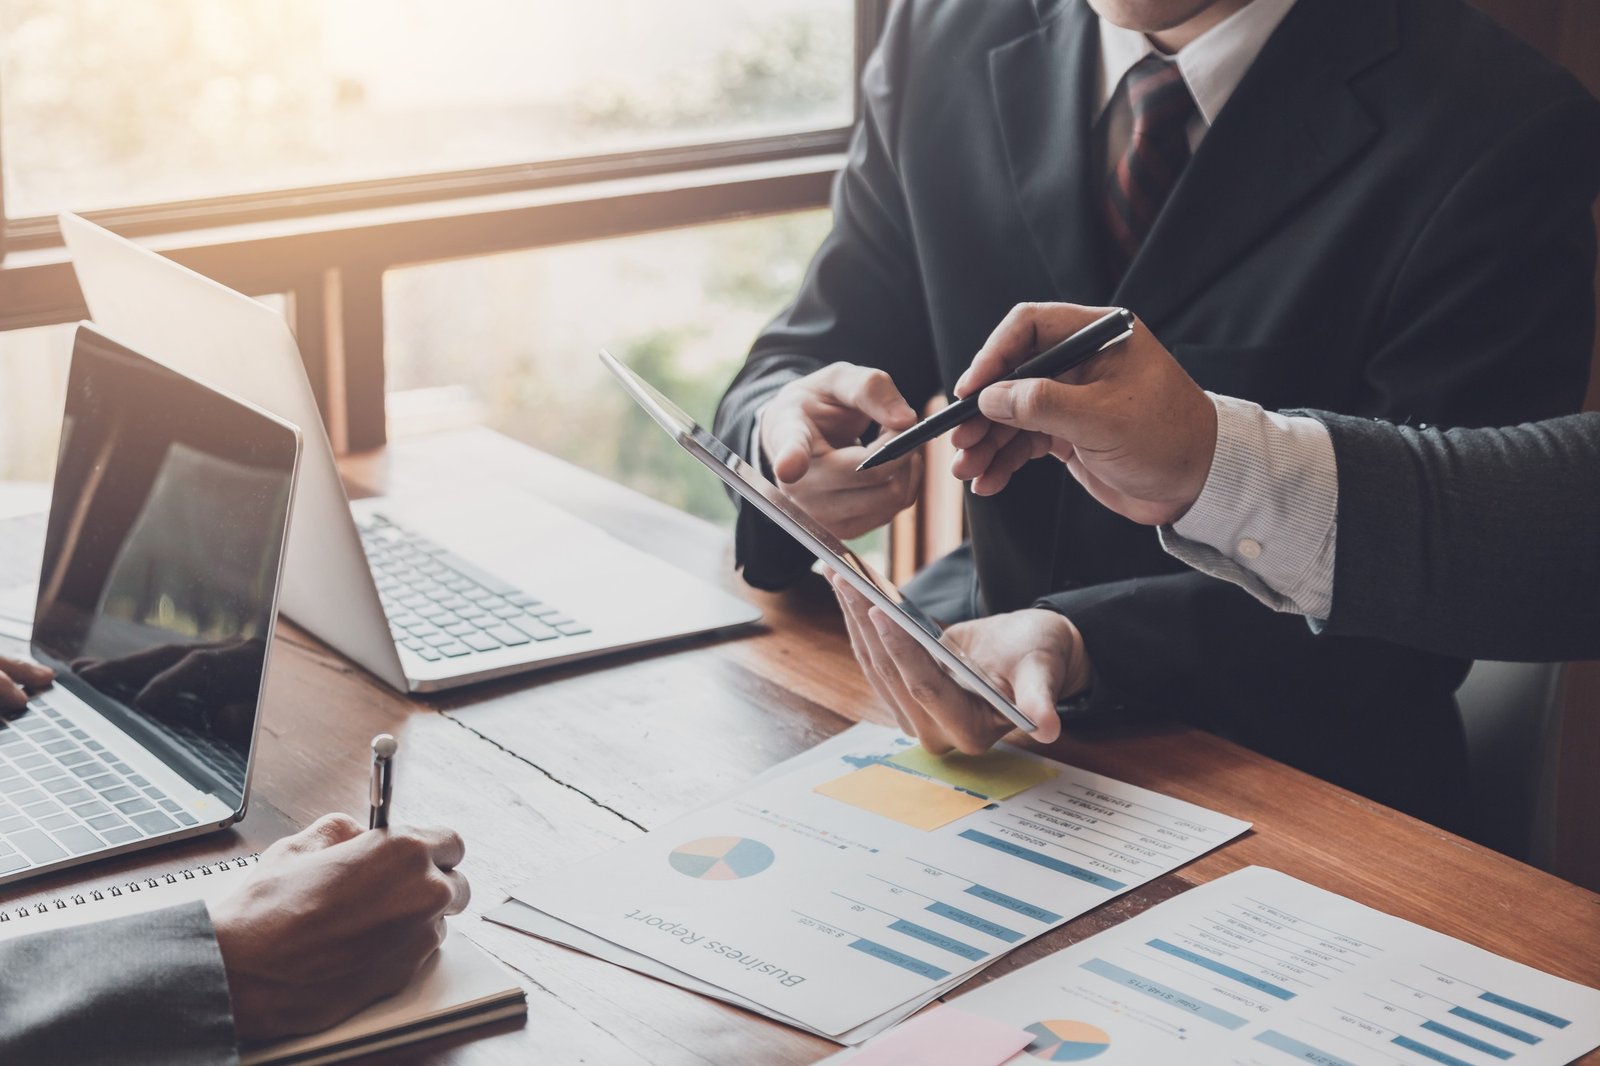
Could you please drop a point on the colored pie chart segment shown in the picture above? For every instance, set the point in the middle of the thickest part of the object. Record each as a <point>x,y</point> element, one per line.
<point>1060,1041</point>
<point>721,858</point>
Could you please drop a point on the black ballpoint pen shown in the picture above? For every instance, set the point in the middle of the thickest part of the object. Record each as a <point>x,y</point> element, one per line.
<point>384,747</point>
<point>1080,347</point>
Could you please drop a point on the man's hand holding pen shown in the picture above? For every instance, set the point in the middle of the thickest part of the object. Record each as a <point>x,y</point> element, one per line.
<point>1133,428</point>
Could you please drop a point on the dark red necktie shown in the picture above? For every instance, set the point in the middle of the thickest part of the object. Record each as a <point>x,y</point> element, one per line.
<point>1157,152</point>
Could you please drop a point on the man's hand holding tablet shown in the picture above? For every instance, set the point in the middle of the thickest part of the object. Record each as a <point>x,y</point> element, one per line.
<point>1035,658</point>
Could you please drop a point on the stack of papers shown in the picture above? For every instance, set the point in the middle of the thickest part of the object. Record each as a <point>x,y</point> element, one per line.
<point>1259,969</point>
<point>844,889</point>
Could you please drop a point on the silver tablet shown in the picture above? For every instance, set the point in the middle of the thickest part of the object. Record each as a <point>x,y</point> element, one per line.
<point>776,505</point>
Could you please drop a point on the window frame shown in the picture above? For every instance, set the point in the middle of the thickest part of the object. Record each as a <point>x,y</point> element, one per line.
<point>327,247</point>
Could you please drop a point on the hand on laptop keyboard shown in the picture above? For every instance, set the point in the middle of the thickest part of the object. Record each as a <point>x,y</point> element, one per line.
<point>334,919</point>
<point>17,676</point>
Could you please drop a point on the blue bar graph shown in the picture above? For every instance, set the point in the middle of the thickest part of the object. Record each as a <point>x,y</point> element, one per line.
<point>905,962</point>
<point>1428,1052</point>
<point>1011,903</point>
<point>1522,1008</point>
<point>1304,1052</point>
<point>1225,970</point>
<point>1470,1041</point>
<point>938,940</point>
<point>1495,1025</point>
<point>1170,996</point>
<point>1029,855</point>
<point>972,921</point>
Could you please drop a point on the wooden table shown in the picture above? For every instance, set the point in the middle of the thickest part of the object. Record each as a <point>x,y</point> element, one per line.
<point>540,771</point>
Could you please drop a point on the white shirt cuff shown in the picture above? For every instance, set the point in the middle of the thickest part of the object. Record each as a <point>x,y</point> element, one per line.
<point>1266,517</point>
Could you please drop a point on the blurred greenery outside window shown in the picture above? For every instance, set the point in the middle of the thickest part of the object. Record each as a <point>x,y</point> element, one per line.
<point>111,103</point>
<point>510,341</point>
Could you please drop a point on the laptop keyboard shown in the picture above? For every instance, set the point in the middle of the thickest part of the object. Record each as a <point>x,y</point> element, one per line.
<point>442,607</point>
<point>62,793</point>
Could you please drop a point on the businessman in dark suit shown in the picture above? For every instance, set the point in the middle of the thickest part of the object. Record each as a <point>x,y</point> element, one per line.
<point>1324,203</point>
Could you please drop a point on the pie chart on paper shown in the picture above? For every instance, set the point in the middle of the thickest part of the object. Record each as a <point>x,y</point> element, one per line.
<point>1062,1041</point>
<point>721,858</point>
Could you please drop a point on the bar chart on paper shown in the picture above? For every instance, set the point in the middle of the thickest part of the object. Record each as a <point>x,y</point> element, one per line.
<point>1258,969</point>
<point>856,883</point>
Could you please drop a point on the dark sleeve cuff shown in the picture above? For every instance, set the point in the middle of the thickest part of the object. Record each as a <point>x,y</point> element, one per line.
<point>769,558</point>
<point>147,988</point>
<point>1101,700</point>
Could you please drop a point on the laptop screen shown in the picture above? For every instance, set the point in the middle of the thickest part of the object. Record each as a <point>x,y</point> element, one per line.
<point>161,558</point>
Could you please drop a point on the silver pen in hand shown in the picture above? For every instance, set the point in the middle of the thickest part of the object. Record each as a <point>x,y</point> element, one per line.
<point>383,748</point>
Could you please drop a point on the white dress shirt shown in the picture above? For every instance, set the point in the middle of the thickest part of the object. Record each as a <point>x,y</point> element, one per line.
<point>1212,66</point>
<point>1266,517</point>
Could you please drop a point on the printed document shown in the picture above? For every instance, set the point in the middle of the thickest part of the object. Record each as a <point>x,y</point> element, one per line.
<point>853,884</point>
<point>1259,969</point>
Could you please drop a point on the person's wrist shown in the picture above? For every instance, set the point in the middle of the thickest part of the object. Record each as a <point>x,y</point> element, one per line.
<point>1066,644</point>
<point>1199,455</point>
<point>252,1018</point>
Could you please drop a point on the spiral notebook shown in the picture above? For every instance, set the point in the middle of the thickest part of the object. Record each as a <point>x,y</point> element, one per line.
<point>461,986</point>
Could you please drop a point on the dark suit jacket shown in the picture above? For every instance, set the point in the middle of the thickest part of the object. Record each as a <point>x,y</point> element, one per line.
<point>1481,542</point>
<point>1389,217</point>
<point>149,988</point>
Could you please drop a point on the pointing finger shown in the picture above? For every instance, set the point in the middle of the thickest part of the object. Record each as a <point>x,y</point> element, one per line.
<point>873,393</point>
<point>789,436</point>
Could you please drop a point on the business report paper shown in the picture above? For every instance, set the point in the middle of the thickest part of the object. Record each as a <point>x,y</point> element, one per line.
<point>1259,969</point>
<point>518,915</point>
<point>858,882</point>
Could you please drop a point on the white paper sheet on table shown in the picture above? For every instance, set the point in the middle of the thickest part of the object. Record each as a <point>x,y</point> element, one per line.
<point>834,916</point>
<point>1259,969</point>
<point>518,915</point>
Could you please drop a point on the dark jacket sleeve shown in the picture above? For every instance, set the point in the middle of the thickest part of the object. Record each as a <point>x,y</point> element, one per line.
<point>861,302</point>
<point>1490,321</point>
<point>1480,542</point>
<point>148,988</point>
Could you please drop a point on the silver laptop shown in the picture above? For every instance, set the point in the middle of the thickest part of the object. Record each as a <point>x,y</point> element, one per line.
<point>157,595</point>
<point>425,592</point>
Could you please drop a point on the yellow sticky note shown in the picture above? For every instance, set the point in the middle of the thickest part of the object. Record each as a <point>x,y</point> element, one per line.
<point>908,799</point>
<point>996,774</point>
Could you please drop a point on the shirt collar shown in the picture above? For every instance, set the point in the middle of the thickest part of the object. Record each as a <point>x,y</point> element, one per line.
<point>1212,64</point>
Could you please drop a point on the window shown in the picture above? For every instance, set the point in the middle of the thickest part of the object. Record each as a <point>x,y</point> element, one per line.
<point>327,149</point>
<point>509,341</point>
<point>106,104</point>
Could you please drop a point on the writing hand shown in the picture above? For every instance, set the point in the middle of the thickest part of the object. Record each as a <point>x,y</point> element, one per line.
<point>334,919</point>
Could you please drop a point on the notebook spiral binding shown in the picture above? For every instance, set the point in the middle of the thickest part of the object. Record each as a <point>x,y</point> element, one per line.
<point>124,888</point>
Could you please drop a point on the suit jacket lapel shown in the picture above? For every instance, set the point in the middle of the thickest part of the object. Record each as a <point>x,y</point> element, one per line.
<point>1045,92</point>
<point>1290,126</point>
